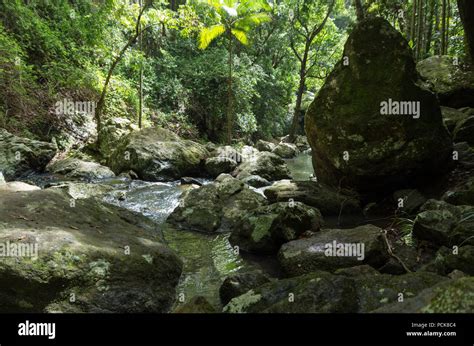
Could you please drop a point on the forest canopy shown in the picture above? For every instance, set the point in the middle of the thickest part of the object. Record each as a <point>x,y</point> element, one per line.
<point>192,66</point>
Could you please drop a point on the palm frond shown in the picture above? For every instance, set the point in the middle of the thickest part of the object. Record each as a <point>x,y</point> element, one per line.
<point>241,36</point>
<point>207,35</point>
<point>249,21</point>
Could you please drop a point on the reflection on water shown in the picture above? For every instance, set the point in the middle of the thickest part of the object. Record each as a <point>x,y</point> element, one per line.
<point>207,259</point>
<point>301,167</point>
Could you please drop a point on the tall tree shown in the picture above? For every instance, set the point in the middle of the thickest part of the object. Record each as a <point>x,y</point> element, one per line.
<point>360,12</point>
<point>466,11</point>
<point>235,19</point>
<point>132,39</point>
<point>304,26</point>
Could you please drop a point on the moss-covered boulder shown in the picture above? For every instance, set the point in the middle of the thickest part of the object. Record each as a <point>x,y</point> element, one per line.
<point>112,131</point>
<point>84,256</point>
<point>265,229</point>
<point>328,200</point>
<point>462,194</point>
<point>450,296</point>
<point>445,224</point>
<point>265,164</point>
<point>453,85</point>
<point>265,146</point>
<point>452,117</point>
<point>464,131</point>
<point>240,283</point>
<point>156,154</point>
<point>78,169</point>
<point>19,156</point>
<point>286,150</point>
<point>375,291</point>
<point>333,249</point>
<point>318,292</point>
<point>373,125</point>
<point>215,206</point>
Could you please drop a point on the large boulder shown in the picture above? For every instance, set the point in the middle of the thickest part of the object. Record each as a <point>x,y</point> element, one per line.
<point>265,146</point>
<point>286,150</point>
<point>452,117</point>
<point>326,199</point>
<point>265,229</point>
<point>156,154</point>
<point>454,86</point>
<point>450,296</point>
<point>356,136</point>
<point>462,194</point>
<point>84,256</point>
<point>79,169</point>
<point>333,249</point>
<point>267,165</point>
<point>318,292</point>
<point>445,224</point>
<point>19,156</point>
<point>237,284</point>
<point>323,292</point>
<point>464,131</point>
<point>215,206</point>
<point>112,131</point>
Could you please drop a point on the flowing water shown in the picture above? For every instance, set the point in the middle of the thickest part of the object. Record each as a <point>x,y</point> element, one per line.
<point>208,259</point>
<point>301,166</point>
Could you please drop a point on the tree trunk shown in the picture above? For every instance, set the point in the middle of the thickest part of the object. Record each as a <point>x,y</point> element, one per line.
<point>299,96</point>
<point>443,28</point>
<point>429,34</point>
<point>359,10</point>
<point>413,22</point>
<point>448,15</point>
<point>230,94</point>
<point>140,91</point>
<point>466,11</point>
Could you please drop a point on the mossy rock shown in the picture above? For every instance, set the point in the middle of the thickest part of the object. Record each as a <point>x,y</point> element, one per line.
<point>352,143</point>
<point>91,257</point>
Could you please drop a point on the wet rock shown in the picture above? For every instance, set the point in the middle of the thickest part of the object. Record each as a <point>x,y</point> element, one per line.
<point>17,186</point>
<point>267,165</point>
<point>266,228</point>
<point>78,169</point>
<point>464,131</point>
<point>326,199</point>
<point>408,201</point>
<point>465,154</point>
<point>301,142</point>
<point>190,181</point>
<point>112,132</point>
<point>82,250</point>
<point>197,305</point>
<point>450,259</point>
<point>444,224</point>
<point>333,249</point>
<point>450,296</point>
<point>256,181</point>
<point>218,165</point>
<point>454,86</point>
<point>452,117</point>
<point>215,206</point>
<point>84,190</point>
<point>240,283</point>
<point>156,154</point>
<point>265,146</point>
<point>353,143</point>
<point>375,291</point>
<point>19,156</point>
<point>318,292</point>
<point>286,150</point>
<point>462,194</point>
<point>356,271</point>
